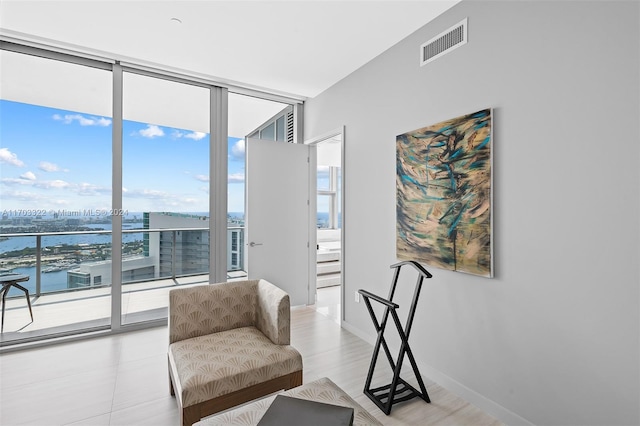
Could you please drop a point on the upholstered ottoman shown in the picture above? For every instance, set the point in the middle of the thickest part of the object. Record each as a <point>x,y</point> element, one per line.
<point>229,344</point>
<point>321,390</point>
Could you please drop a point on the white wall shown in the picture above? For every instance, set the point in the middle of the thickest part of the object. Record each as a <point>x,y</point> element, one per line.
<point>554,337</point>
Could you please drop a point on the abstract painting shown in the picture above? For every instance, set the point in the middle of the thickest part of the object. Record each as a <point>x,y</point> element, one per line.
<point>444,199</point>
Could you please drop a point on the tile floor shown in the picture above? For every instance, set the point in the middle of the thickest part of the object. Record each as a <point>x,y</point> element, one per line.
<point>122,379</point>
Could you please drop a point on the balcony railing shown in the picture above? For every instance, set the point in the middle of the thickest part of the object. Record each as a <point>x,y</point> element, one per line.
<point>70,278</point>
<point>164,253</point>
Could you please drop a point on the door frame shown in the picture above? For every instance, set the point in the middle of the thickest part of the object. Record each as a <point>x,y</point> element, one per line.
<point>313,213</point>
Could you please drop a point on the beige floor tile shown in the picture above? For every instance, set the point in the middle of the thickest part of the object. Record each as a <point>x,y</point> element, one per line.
<point>144,343</point>
<point>59,401</point>
<point>159,412</point>
<point>141,381</point>
<point>102,420</point>
<point>38,365</point>
<point>122,379</point>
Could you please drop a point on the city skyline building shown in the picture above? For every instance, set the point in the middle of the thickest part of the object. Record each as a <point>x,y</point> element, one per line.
<point>182,251</point>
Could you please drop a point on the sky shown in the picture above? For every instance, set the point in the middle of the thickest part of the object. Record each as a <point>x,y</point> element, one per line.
<point>55,160</point>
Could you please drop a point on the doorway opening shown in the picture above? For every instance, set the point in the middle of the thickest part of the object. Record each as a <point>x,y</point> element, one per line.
<point>329,224</point>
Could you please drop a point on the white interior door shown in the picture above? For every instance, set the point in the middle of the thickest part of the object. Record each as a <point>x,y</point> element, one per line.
<point>278,216</point>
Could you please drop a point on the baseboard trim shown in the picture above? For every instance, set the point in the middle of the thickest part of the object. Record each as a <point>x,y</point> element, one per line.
<point>489,406</point>
<point>369,338</point>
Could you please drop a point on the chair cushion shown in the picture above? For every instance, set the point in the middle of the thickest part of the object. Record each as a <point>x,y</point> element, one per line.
<point>220,363</point>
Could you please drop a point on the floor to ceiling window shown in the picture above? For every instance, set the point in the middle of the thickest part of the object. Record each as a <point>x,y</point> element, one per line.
<point>165,185</point>
<point>55,180</point>
<point>115,182</point>
<point>329,184</point>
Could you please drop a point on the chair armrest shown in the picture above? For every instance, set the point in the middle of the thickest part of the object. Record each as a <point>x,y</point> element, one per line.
<point>273,313</point>
<point>211,308</point>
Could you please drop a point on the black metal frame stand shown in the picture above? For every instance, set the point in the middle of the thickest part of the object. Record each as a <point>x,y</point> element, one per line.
<point>399,390</point>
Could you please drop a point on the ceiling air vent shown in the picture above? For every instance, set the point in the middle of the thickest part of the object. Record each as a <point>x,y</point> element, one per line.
<point>444,43</point>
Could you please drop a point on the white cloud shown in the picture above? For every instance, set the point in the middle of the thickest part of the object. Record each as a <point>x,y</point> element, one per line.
<point>82,120</point>
<point>9,157</point>
<point>151,131</point>
<point>236,178</point>
<point>52,184</point>
<point>237,150</point>
<point>161,199</point>
<point>79,188</point>
<point>59,203</point>
<point>146,193</point>
<point>13,181</point>
<point>48,167</point>
<point>28,176</point>
<point>196,136</point>
<point>30,179</point>
<point>22,196</point>
<point>90,189</point>
<point>202,178</point>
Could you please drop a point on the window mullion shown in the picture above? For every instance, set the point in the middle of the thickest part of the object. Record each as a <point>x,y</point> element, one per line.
<point>116,201</point>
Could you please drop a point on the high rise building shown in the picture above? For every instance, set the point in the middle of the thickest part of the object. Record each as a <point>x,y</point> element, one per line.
<point>180,252</point>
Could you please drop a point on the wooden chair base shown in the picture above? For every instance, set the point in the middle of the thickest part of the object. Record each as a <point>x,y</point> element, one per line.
<point>192,414</point>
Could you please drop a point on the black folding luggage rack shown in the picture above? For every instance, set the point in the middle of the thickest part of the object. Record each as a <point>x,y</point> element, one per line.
<point>398,390</point>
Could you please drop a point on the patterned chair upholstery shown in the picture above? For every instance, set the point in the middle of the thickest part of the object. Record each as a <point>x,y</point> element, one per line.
<point>229,343</point>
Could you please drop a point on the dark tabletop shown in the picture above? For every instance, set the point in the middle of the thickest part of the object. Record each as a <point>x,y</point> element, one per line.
<point>13,278</point>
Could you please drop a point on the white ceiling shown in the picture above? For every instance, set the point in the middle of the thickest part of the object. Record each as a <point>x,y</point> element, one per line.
<point>294,47</point>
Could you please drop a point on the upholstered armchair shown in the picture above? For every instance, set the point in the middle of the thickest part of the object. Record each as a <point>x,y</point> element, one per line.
<point>229,343</point>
